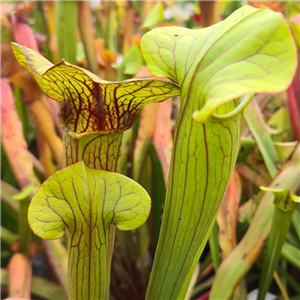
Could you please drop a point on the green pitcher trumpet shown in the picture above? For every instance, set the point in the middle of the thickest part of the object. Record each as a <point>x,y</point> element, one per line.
<point>218,68</point>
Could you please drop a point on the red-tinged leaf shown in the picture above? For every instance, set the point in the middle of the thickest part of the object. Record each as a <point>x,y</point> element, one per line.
<point>250,175</point>
<point>274,5</point>
<point>163,139</point>
<point>6,8</point>
<point>294,105</point>
<point>145,135</point>
<point>228,215</point>
<point>24,10</point>
<point>12,138</point>
<point>58,258</point>
<point>23,34</point>
<point>39,108</point>
<point>205,296</point>
<point>19,276</point>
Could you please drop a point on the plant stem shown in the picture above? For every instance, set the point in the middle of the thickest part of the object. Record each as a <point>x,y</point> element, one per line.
<point>281,286</point>
<point>24,229</point>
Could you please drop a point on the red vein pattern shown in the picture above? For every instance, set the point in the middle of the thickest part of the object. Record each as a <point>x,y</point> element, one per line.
<point>92,105</point>
<point>87,202</point>
<point>102,152</point>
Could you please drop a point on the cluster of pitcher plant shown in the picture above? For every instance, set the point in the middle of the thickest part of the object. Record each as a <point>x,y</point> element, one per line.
<point>215,71</point>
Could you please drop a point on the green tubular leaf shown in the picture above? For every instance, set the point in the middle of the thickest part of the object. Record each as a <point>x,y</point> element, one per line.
<point>66,23</point>
<point>251,51</point>
<point>100,152</point>
<point>284,199</point>
<point>87,202</point>
<point>280,224</point>
<point>90,104</point>
<point>214,246</point>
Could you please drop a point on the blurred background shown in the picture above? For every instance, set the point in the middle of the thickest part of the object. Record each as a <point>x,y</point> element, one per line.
<point>104,37</point>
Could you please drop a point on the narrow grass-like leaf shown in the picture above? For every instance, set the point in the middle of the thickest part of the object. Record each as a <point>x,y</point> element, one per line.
<point>284,208</point>
<point>7,195</point>
<point>131,63</point>
<point>291,254</point>
<point>214,67</point>
<point>289,279</point>
<point>66,24</point>
<point>158,192</point>
<point>257,126</point>
<point>87,202</point>
<point>8,237</point>
<point>156,15</point>
<point>296,221</point>
<point>214,246</point>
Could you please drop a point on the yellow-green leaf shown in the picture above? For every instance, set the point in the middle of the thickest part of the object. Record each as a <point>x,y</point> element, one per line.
<point>87,202</point>
<point>90,104</point>
<point>251,51</point>
<point>244,54</point>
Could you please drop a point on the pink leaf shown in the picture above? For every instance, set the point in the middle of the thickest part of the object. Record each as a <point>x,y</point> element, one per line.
<point>13,141</point>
